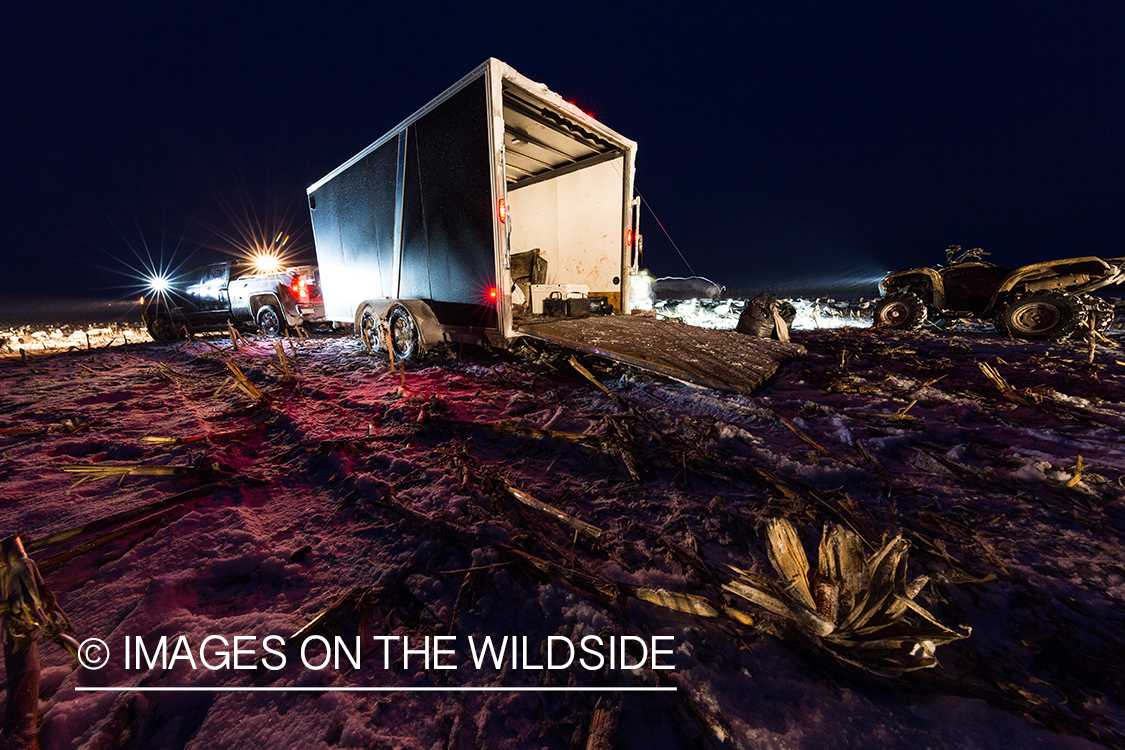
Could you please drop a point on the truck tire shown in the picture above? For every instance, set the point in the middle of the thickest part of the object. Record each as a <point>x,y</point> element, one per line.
<point>1042,316</point>
<point>269,321</point>
<point>903,311</point>
<point>371,331</point>
<point>404,333</point>
<point>160,326</point>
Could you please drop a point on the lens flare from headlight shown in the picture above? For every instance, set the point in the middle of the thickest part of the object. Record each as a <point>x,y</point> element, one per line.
<point>158,284</point>
<point>265,263</point>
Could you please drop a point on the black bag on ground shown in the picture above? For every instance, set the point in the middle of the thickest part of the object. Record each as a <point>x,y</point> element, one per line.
<point>758,317</point>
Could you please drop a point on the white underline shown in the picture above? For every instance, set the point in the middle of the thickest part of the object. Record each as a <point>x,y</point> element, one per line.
<point>363,689</point>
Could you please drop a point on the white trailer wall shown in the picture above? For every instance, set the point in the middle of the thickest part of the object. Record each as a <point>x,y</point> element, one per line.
<point>575,220</point>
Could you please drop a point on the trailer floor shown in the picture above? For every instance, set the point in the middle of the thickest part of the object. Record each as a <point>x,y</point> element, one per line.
<point>722,359</point>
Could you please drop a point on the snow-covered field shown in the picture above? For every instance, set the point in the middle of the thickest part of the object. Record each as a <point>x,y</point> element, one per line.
<point>389,493</point>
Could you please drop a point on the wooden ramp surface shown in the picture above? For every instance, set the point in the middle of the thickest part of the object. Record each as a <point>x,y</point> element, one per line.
<point>725,360</point>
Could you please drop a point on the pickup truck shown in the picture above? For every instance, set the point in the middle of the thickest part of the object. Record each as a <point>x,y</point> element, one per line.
<point>209,297</point>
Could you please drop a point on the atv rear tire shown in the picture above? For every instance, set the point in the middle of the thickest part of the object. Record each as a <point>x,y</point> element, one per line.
<point>1042,316</point>
<point>903,311</point>
<point>1101,310</point>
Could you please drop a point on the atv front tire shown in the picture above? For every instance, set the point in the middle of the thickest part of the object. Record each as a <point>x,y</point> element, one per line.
<point>904,311</point>
<point>1042,316</point>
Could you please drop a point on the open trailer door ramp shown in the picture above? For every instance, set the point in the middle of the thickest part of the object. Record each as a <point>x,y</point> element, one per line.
<point>721,359</point>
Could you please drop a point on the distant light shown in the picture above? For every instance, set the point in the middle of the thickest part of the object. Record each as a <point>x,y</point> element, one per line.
<point>142,300</point>
<point>158,284</point>
<point>264,263</point>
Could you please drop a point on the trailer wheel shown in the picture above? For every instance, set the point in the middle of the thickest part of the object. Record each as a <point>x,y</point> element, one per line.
<point>371,331</point>
<point>269,321</point>
<point>403,332</point>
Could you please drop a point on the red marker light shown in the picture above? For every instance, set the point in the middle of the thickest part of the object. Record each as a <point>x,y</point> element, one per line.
<point>577,109</point>
<point>629,237</point>
<point>503,208</point>
<point>493,294</point>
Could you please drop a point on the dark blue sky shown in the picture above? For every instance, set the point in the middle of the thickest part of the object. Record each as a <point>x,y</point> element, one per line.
<point>778,142</point>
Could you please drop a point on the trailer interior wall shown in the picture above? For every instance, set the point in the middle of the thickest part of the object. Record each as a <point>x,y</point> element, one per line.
<point>575,221</point>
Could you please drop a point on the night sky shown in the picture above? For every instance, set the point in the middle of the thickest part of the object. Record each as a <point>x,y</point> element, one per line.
<point>778,143</point>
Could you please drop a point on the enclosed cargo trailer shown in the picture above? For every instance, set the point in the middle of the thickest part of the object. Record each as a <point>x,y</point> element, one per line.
<point>418,234</point>
<point>418,230</point>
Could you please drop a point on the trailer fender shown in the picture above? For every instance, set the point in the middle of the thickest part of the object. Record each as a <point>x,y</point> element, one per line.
<point>377,306</point>
<point>430,331</point>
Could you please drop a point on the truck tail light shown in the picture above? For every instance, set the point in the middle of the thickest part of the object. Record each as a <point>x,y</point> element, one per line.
<point>300,288</point>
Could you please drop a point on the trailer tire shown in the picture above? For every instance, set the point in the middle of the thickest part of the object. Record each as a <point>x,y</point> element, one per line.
<point>403,331</point>
<point>269,321</point>
<point>371,331</point>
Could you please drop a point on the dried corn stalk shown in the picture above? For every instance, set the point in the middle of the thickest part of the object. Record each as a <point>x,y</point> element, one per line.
<point>286,370</point>
<point>92,472</point>
<point>235,338</point>
<point>569,520</point>
<point>1023,397</point>
<point>244,383</point>
<point>225,435</point>
<point>861,610</point>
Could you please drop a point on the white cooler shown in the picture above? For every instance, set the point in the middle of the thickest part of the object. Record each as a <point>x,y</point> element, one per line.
<point>540,292</point>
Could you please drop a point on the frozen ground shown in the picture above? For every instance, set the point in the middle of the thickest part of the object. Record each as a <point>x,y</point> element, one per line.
<point>390,490</point>
<point>69,325</point>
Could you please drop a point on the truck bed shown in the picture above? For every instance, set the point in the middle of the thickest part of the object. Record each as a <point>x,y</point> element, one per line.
<point>721,359</point>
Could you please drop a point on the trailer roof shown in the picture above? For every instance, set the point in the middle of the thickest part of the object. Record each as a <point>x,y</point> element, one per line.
<point>543,133</point>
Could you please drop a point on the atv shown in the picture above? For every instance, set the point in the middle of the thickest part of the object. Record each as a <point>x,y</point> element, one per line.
<point>1043,301</point>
